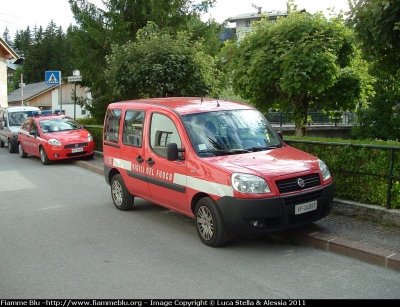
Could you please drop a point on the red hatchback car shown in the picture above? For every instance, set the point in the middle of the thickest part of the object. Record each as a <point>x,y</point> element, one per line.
<point>54,137</point>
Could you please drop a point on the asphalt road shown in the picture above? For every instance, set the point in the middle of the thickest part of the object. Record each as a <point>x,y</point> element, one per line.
<point>61,237</point>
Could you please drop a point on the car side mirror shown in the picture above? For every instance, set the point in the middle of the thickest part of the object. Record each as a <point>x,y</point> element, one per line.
<point>173,152</point>
<point>33,133</point>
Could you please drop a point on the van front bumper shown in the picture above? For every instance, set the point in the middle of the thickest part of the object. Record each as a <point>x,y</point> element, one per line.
<point>256,217</point>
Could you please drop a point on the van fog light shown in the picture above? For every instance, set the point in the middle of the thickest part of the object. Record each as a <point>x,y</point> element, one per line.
<point>257,224</point>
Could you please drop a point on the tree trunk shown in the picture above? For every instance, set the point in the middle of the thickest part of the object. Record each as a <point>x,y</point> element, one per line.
<point>300,110</point>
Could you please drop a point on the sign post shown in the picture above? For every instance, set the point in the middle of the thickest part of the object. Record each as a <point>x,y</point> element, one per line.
<point>54,78</point>
<point>21,85</point>
<point>75,78</point>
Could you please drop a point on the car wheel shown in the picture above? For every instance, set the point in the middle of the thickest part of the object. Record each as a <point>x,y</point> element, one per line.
<point>210,225</point>
<point>21,151</point>
<point>2,144</point>
<point>11,147</point>
<point>43,157</point>
<point>121,197</point>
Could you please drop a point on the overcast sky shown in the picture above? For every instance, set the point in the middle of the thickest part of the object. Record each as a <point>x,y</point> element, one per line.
<point>19,14</point>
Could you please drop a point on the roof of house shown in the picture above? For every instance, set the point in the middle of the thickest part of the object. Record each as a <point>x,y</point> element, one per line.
<point>30,91</point>
<point>258,16</point>
<point>8,52</point>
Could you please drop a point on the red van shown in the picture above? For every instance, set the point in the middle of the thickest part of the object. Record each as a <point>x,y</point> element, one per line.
<point>219,162</point>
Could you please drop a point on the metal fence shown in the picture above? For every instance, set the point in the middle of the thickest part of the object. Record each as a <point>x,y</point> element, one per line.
<point>315,118</point>
<point>355,172</point>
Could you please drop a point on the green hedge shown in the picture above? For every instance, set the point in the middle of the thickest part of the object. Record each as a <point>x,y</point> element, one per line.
<point>361,173</point>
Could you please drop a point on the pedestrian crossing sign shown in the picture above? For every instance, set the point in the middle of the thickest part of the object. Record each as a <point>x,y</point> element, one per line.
<point>53,77</point>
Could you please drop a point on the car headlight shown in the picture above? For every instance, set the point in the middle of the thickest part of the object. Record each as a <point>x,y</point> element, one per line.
<point>326,174</point>
<point>251,184</point>
<point>90,137</point>
<point>54,142</point>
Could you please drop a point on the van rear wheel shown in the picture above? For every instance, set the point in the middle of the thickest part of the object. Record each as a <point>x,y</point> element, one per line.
<point>121,197</point>
<point>210,225</point>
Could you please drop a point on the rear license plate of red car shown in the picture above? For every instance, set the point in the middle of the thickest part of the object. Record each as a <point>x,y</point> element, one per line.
<point>77,149</point>
<point>306,207</point>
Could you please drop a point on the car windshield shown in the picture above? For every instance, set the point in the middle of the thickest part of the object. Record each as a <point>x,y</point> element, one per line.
<point>58,124</point>
<point>17,118</point>
<point>230,132</point>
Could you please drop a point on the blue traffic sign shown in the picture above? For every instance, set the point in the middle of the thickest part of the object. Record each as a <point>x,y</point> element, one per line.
<point>53,77</point>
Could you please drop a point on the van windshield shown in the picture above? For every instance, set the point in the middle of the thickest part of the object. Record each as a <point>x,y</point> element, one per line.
<point>17,118</point>
<point>230,132</point>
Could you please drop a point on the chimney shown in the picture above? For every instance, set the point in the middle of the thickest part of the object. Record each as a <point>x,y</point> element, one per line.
<point>259,10</point>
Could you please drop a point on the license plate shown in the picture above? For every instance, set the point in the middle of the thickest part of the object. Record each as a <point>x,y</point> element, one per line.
<point>306,207</point>
<point>77,149</point>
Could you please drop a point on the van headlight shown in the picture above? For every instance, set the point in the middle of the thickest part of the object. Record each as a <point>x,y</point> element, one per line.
<point>245,183</point>
<point>326,174</point>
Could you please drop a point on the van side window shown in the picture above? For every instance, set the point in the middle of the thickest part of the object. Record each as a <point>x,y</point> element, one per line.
<point>111,125</point>
<point>162,132</point>
<point>133,127</point>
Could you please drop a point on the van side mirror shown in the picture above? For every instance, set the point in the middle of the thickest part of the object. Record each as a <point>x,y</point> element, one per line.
<point>173,152</point>
<point>280,134</point>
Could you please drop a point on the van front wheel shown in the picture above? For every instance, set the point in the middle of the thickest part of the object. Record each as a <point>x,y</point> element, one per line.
<point>210,225</point>
<point>121,197</point>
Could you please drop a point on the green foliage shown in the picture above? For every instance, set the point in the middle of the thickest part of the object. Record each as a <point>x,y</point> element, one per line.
<point>360,172</point>
<point>118,25</point>
<point>376,24</point>
<point>299,62</point>
<point>160,65</point>
<point>49,50</point>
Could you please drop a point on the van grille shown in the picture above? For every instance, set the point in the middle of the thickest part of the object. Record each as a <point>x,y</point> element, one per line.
<point>302,198</point>
<point>290,185</point>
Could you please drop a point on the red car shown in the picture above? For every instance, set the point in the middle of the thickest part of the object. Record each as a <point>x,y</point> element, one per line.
<point>54,137</point>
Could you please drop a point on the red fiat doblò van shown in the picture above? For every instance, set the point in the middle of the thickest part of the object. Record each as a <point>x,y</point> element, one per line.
<point>219,162</point>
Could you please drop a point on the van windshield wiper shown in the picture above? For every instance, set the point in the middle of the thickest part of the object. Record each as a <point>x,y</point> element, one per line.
<point>219,152</point>
<point>260,148</point>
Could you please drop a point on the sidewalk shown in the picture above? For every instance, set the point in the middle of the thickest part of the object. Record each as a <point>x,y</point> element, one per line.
<point>365,232</point>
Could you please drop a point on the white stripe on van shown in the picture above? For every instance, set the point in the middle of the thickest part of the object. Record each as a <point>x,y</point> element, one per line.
<point>187,181</point>
<point>122,164</point>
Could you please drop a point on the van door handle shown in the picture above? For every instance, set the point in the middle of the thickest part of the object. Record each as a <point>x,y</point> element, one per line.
<point>150,161</point>
<point>139,159</point>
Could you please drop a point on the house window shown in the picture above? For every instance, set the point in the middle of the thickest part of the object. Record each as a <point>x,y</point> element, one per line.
<point>247,23</point>
<point>83,112</point>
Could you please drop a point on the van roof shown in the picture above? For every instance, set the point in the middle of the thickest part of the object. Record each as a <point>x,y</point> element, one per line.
<point>21,108</point>
<point>188,105</point>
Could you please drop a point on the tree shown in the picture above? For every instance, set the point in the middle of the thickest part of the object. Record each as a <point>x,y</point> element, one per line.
<point>160,65</point>
<point>99,29</point>
<point>50,50</point>
<point>300,61</point>
<point>377,27</point>
<point>6,36</point>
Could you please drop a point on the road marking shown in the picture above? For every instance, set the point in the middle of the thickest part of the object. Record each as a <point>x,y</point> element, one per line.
<point>13,180</point>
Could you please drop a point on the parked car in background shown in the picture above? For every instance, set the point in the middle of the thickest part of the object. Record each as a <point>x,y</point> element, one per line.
<point>11,119</point>
<point>54,137</point>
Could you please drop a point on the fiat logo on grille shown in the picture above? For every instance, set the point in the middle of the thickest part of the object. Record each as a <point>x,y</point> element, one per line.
<point>76,145</point>
<point>301,183</point>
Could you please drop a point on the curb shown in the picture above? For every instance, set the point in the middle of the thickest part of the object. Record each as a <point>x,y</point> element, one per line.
<point>327,242</point>
<point>361,251</point>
